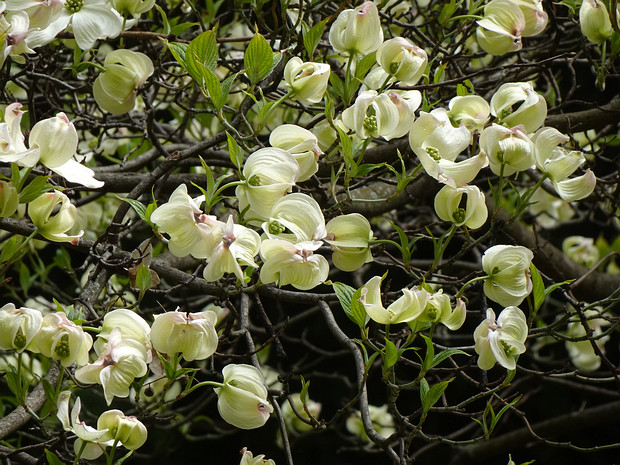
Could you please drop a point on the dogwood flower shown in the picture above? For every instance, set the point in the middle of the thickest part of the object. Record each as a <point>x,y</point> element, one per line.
<point>237,245</point>
<point>248,459</point>
<point>298,213</point>
<point>294,264</point>
<point>127,430</point>
<point>372,115</point>
<point>292,421</point>
<point>400,58</point>
<point>508,150</point>
<point>594,21</point>
<point>12,146</point>
<point>307,81</point>
<point>499,341</point>
<point>190,230</point>
<point>530,108</point>
<point>472,111</point>
<point>300,143</point>
<point>116,88</point>
<point>120,363</point>
<point>439,310</point>
<point>581,250</point>
<point>132,7</point>
<point>381,419</point>
<point>269,173</point>
<point>558,164</point>
<point>406,308</point>
<point>18,326</point>
<point>53,215</point>
<point>582,353</point>
<point>242,400</point>
<point>508,270</point>
<point>349,236</point>
<point>131,325</point>
<point>91,442</point>
<point>62,340</point>
<point>358,30</point>
<point>472,214</point>
<point>500,30</point>
<point>192,335</point>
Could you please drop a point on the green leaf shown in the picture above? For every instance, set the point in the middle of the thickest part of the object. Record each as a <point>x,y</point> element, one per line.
<point>337,84</point>
<point>432,394</point>
<point>303,395</point>
<point>181,28</point>
<point>143,279</point>
<point>17,383</point>
<point>50,391</point>
<point>538,287</point>
<point>235,152</point>
<point>390,356</point>
<point>258,59</point>
<point>164,18</point>
<point>213,86</point>
<point>364,65</point>
<point>497,417</point>
<point>202,52</point>
<point>313,36</point>
<point>349,300</point>
<point>363,170</point>
<point>169,369</point>
<point>52,459</point>
<point>123,458</point>
<point>34,189</point>
<point>554,286</point>
<point>138,207</point>
<point>178,51</point>
<point>430,354</point>
<point>444,354</point>
<point>345,145</point>
<point>344,293</point>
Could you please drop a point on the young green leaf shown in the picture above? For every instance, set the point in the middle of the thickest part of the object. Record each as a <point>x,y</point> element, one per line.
<point>52,459</point>
<point>313,36</point>
<point>235,152</point>
<point>258,59</point>
<point>432,394</point>
<point>538,287</point>
<point>202,52</point>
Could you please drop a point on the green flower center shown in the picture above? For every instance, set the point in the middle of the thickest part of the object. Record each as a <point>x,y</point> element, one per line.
<point>505,112</point>
<point>370,123</point>
<point>458,215</point>
<point>20,340</point>
<point>507,347</point>
<point>394,67</point>
<point>276,228</point>
<point>254,180</point>
<point>433,153</point>
<point>62,348</point>
<point>73,6</point>
<point>431,313</point>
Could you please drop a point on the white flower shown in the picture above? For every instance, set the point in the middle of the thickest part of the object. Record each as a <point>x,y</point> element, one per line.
<point>582,353</point>
<point>402,59</point>
<point>248,459</point>
<point>406,308</point>
<point>53,215</point>
<point>298,213</point>
<point>308,80</point>
<point>294,264</point>
<point>236,245</point>
<point>349,236</point>
<point>190,230</point>
<point>501,28</point>
<point>18,326</point>
<point>439,310</point>
<point>120,363</point>
<point>472,214</point>
<point>192,335</point>
<point>358,30</point>
<point>62,340</point>
<point>581,250</point>
<point>472,111</point>
<point>530,107</point>
<point>499,341</point>
<point>300,143</point>
<point>508,270</point>
<point>242,400</point>
<point>508,150</point>
<point>594,21</point>
<point>131,326</point>
<point>372,115</point>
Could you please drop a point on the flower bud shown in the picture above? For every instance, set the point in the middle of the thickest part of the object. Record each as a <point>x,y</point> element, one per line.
<point>532,107</point>
<point>400,58</point>
<point>308,81</point>
<point>358,30</point>
<point>50,224</point>
<point>18,326</point>
<point>62,340</point>
<point>9,199</point>
<point>594,21</point>
<point>116,88</point>
<point>192,335</point>
<point>242,400</point>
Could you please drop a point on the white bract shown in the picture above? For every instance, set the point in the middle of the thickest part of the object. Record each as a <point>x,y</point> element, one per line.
<point>242,400</point>
<point>296,217</point>
<point>449,206</point>
<point>372,115</point>
<point>192,335</point>
<point>582,353</point>
<point>508,270</point>
<point>294,264</point>
<point>300,143</point>
<point>62,340</point>
<point>53,215</point>
<point>400,58</point>
<point>472,111</point>
<point>358,30</point>
<point>121,362</point>
<point>501,28</point>
<point>530,107</point>
<point>499,341</point>
<point>349,236</point>
<point>307,81</point>
<point>439,310</point>
<point>594,21</point>
<point>508,150</point>
<point>116,88</point>
<point>18,326</point>
<point>406,308</point>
